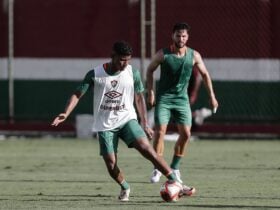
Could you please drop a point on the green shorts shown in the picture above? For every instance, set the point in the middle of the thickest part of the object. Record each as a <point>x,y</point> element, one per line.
<point>180,114</point>
<point>129,132</point>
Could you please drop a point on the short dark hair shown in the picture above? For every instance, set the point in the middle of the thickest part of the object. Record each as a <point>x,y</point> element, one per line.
<point>181,26</point>
<point>122,48</point>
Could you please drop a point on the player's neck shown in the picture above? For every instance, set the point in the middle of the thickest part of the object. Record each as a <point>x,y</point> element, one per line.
<point>111,69</point>
<point>180,52</point>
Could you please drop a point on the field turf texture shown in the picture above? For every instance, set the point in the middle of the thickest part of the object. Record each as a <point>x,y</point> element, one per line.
<point>69,174</point>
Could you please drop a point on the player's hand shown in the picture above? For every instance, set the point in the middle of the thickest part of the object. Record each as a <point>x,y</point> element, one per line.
<point>214,104</point>
<point>59,119</point>
<point>149,132</point>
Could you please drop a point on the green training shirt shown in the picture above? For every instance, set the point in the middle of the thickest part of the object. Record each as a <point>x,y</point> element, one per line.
<point>175,73</point>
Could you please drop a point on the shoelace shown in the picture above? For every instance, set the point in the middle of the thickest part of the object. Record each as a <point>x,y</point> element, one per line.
<point>155,173</point>
<point>123,193</point>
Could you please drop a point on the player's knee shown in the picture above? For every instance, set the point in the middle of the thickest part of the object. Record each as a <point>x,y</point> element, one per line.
<point>141,144</point>
<point>185,135</point>
<point>160,133</point>
<point>146,149</point>
<point>145,146</point>
<point>111,168</point>
<point>114,171</point>
<point>110,164</point>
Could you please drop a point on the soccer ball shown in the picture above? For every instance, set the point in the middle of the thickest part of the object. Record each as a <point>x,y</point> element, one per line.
<point>170,191</point>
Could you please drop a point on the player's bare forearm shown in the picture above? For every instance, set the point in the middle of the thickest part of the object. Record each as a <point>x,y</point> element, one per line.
<point>209,86</point>
<point>141,108</point>
<point>142,111</point>
<point>206,79</point>
<point>71,104</point>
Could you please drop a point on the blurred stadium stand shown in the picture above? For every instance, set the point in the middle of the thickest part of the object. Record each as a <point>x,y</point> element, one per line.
<point>57,42</point>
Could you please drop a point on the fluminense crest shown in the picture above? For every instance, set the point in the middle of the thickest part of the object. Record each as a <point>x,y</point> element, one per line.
<point>114,83</point>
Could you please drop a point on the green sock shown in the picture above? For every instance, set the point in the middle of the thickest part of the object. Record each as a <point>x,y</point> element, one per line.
<point>172,177</point>
<point>124,185</point>
<point>175,162</point>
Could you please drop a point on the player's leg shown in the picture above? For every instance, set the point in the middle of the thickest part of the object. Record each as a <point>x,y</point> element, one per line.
<point>134,136</point>
<point>180,148</point>
<point>158,142</point>
<point>117,175</point>
<point>162,117</point>
<point>179,151</point>
<point>108,141</point>
<point>183,139</point>
<point>183,118</point>
<point>158,145</point>
<point>143,146</point>
<point>113,169</point>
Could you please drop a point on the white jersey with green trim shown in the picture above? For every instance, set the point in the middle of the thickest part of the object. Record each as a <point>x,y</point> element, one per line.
<point>113,99</point>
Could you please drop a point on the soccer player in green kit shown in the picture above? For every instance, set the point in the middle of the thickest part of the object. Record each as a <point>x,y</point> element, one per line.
<point>115,86</point>
<point>176,64</point>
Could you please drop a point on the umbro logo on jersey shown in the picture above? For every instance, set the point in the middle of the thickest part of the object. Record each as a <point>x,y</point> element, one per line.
<point>113,94</point>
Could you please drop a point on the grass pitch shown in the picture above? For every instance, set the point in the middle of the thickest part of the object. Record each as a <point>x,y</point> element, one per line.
<point>70,174</point>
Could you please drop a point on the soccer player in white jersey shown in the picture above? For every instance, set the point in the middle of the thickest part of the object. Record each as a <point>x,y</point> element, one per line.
<point>115,86</point>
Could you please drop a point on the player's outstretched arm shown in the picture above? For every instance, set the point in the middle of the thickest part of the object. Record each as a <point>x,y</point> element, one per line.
<point>72,102</point>
<point>206,79</point>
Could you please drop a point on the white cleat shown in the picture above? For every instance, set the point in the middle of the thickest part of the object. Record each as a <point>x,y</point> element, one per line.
<point>178,175</point>
<point>124,195</point>
<point>187,191</point>
<point>202,114</point>
<point>155,176</point>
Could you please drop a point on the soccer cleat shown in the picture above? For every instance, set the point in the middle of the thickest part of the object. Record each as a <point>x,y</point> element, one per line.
<point>124,195</point>
<point>178,175</point>
<point>155,176</point>
<point>201,114</point>
<point>187,191</point>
